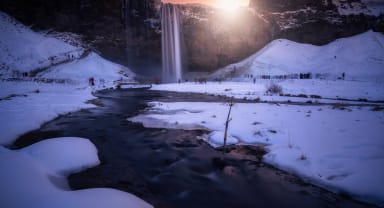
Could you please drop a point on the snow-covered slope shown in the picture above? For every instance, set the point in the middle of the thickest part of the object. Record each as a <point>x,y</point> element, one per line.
<point>24,50</point>
<point>36,175</point>
<point>360,57</point>
<point>91,66</point>
<point>369,7</point>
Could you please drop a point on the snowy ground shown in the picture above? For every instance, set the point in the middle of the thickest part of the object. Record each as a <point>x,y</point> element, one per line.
<point>27,105</point>
<point>328,90</point>
<point>35,176</point>
<point>336,147</point>
<point>368,7</point>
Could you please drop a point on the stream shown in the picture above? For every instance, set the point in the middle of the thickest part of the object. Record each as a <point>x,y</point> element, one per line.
<point>172,168</point>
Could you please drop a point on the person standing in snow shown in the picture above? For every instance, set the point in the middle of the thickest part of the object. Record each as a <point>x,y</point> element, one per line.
<point>92,81</point>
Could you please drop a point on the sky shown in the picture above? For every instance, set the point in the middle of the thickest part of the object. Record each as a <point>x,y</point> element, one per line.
<point>216,3</point>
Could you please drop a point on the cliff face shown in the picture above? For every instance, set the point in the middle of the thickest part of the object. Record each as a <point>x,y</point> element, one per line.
<point>214,38</point>
<point>214,41</point>
<point>128,31</point>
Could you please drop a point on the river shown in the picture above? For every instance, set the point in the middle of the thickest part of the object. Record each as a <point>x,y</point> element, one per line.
<point>172,168</point>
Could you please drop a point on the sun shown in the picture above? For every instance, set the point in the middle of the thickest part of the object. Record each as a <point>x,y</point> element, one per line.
<point>230,8</point>
<point>224,4</point>
<point>228,5</point>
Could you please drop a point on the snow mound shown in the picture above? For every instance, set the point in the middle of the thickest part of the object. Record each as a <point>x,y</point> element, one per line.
<point>28,102</point>
<point>91,66</point>
<point>79,154</point>
<point>360,57</point>
<point>24,50</point>
<point>28,177</point>
<point>216,139</point>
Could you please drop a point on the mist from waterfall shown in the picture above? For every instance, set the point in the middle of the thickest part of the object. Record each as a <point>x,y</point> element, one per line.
<point>171,43</point>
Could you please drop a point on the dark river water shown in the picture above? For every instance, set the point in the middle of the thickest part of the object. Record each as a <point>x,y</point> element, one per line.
<point>172,168</point>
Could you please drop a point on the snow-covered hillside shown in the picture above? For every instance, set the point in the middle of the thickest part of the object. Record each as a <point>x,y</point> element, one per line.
<point>44,88</point>
<point>24,50</point>
<point>360,57</point>
<point>42,77</point>
<point>369,7</point>
<point>91,66</point>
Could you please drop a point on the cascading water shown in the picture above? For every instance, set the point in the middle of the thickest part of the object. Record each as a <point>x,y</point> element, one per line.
<point>171,43</point>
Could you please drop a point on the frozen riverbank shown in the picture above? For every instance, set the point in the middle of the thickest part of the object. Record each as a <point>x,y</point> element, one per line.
<point>334,146</point>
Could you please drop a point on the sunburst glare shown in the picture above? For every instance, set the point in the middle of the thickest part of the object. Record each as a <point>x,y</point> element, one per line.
<point>229,6</point>
<point>224,4</point>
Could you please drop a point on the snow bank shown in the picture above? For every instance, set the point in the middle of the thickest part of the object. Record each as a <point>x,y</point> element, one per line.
<point>325,88</point>
<point>336,148</point>
<point>360,57</point>
<point>26,104</point>
<point>30,108</point>
<point>103,71</point>
<point>64,155</point>
<point>31,177</point>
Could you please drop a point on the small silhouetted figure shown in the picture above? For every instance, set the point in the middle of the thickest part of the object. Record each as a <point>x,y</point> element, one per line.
<point>343,75</point>
<point>92,81</point>
<point>254,80</point>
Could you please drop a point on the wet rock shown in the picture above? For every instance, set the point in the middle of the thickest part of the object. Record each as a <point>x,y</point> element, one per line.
<point>219,163</point>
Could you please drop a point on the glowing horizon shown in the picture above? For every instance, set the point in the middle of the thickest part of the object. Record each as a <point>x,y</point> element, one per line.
<point>225,4</point>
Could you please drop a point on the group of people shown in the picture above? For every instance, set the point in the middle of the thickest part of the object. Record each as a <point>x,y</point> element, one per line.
<point>91,81</point>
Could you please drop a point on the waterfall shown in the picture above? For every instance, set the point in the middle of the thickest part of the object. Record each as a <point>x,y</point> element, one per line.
<point>171,43</point>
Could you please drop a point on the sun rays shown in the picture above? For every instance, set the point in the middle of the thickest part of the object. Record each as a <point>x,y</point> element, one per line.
<point>222,4</point>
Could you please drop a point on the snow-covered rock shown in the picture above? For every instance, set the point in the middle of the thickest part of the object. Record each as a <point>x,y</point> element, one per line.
<point>32,177</point>
<point>64,155</point>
